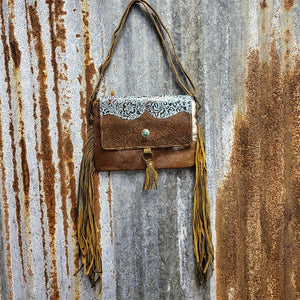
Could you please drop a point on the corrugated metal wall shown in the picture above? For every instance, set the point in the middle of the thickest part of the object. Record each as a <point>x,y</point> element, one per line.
<point>244,59</point>
<point>252,120</point>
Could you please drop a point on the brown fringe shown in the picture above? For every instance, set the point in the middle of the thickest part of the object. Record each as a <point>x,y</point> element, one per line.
<point>87,231</point>
<point>203,247</point>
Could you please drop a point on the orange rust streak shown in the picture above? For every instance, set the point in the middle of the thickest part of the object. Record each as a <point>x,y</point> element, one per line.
<point>293,206</point>
<point>3,176</point>
<point>68,154</point>
<point>5,206</point>
<point>25,172</point>
<point>288,4</point>
<point>291,98</point>
<point>45,253</point>
<point>14,46</point>
<point>37,151</point>
<point>263,4</point>
<point>46,152</point>
<point>256,208</point>
<point>67,115</point>
<point>83,118</point>
<point>58,36</point>
<point>15,183</point>
<point>89,68</point>
<point>16,55</point>
<point>69,150</point>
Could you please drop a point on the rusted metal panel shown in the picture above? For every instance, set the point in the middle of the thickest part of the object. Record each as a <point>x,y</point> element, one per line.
<point>251,67</point>
<point>50,51</point>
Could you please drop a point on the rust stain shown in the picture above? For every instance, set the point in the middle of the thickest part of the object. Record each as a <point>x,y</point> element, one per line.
<point>83,117</point>
<point>31,274</point>
<point>45,152</point>
<point>14,46</point>
<point>67,115</point>
<point>56,10</point>
<point>58,37</point>
<point>79,79</point>
<point>16,56</point>
<point>23,149</point>
<point>16,189</point>
<point>89,68</point>
<point>45,253</point>
<point>256,212</point>
<point>5,205</point>
<point>288,4</point>
<point>62,77</point>
<point>287,50</point>
<point>69,150</point>
<point>291,90</point>
<point>3,177</point>
<point>29,40</point>
<point>17,196</point>
<point>109,199</point>
<point>15,183</point>
<point>25,171</point>
<point>263,4</point>
<point>76,283</point>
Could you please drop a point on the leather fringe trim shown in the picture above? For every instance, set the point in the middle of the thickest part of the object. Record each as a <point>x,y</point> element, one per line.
<point>203,247</point>
<point>87,231</point>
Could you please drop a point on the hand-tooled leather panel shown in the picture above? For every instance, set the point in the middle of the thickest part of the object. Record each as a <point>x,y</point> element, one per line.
<point>118,133</point>
<point>132,107</point>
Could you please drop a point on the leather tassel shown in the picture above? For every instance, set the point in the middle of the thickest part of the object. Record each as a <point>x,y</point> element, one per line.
<point>203,247</point>
<point>87,232</point>
<point>151,176</point>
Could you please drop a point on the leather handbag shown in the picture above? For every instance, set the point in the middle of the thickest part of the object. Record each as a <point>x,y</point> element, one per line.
<point>141,132</point>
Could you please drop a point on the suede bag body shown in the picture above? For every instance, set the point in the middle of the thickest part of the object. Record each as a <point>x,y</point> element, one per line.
<point>119,144</point>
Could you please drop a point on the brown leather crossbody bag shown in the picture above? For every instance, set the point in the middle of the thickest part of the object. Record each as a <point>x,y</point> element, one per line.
<point>134,132</point>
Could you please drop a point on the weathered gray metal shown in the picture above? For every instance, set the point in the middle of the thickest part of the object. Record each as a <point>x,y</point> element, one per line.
<point>49,53</point>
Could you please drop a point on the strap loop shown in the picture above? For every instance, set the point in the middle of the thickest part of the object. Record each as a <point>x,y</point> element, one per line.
<point>115,37</point>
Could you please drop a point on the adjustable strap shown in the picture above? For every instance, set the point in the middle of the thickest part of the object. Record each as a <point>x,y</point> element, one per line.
<point>115,38</point>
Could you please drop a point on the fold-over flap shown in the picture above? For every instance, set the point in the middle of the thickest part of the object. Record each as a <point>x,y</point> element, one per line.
<point>140,122</point>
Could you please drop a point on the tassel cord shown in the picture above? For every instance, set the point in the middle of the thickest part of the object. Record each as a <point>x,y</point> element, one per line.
<point>203,248</point>
<point>89,247</point>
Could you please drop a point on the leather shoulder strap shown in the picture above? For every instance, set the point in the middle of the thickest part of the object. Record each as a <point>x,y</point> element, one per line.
<point>115,37</point>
